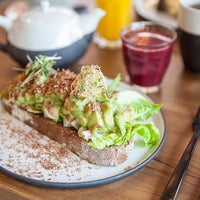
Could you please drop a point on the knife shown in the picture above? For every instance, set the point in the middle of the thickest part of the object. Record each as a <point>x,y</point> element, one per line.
<point>172,188</point>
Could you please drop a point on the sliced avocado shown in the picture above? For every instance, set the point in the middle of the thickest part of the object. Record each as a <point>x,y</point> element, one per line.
<point>53,98</point>
<point>39,98</point>
<point>122,117</point>
<point>52,107</point>
<point>21,100</point>
<point>95,120</point>
<point>29,99</point>
<point>107,111</point>
<point>32,101</point>
<point>88,110</point>
<point>82,121</point>
<point>74,107</point>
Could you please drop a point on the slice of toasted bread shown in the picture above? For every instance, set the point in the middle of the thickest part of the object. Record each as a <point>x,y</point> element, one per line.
<point>109,156</point>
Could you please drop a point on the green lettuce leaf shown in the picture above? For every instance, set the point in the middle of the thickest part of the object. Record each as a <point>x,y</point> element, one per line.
<point>148,133</point>
<point>131,114</point>
<point>144,109</point>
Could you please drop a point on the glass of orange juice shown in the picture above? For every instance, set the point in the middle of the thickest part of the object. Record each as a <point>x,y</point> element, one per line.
<point>118,14</point>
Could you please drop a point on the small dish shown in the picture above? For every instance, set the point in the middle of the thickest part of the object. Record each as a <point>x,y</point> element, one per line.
<point>147,9</point>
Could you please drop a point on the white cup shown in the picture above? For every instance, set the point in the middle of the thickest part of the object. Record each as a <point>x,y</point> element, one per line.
<point>189,33</point>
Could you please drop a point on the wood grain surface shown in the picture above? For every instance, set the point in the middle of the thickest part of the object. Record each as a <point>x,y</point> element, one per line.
<point>180,95</point>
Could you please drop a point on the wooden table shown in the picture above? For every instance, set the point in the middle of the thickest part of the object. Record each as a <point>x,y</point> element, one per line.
<point>180,95</point>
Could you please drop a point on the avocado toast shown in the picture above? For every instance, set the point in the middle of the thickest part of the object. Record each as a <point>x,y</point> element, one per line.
<point>93,119</point>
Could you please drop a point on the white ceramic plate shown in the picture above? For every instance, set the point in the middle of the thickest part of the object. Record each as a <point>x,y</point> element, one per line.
<point>33,158</point>
<point>147,9</point>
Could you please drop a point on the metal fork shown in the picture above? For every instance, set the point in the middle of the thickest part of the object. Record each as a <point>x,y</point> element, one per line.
<point>172,188</point>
